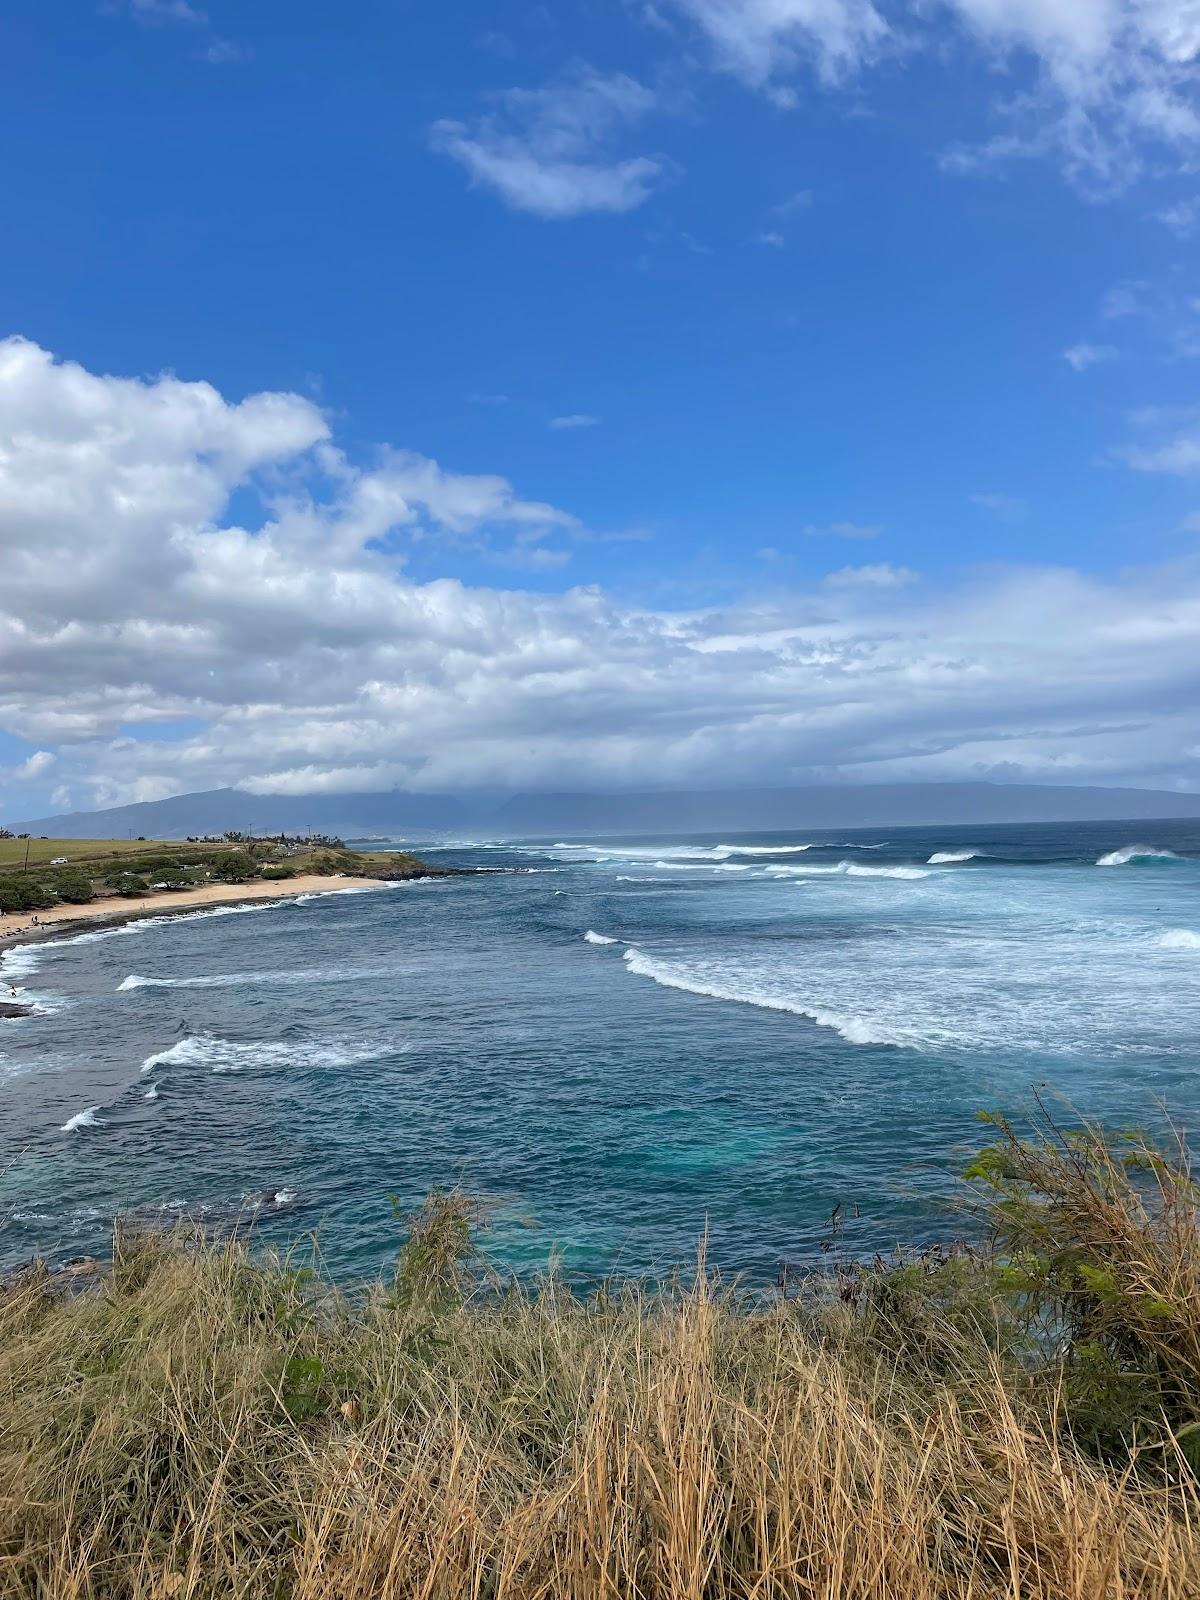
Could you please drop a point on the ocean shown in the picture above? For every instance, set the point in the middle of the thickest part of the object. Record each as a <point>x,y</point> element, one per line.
<point>618,1047</point>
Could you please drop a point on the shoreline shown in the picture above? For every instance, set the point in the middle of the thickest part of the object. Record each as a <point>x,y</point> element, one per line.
<point>61,921</point>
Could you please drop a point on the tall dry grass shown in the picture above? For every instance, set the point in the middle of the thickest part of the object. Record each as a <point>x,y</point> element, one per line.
<point>202,1423</point>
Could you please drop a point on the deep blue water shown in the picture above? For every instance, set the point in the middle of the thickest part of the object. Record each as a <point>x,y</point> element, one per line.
<point>616,1046</point>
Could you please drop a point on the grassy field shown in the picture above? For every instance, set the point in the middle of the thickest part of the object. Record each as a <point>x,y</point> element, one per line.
<point>77,851</point>
<point>1020,1422</point>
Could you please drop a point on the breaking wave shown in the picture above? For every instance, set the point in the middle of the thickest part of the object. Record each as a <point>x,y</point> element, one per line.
<point>303,978</point>
<point>845,869</point>
<point>1178,939</point>
<point>207,1051</point>
<point>1136,852</point>
<point>853,1029</point>
<point>946,858</point>
<point>599,938</point>
<point>83,1119</point>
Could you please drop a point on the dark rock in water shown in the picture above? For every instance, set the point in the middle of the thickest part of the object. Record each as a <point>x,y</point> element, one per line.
<point>13,1008</point>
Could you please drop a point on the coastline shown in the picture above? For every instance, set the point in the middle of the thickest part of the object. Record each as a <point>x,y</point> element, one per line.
<point>61,920</point>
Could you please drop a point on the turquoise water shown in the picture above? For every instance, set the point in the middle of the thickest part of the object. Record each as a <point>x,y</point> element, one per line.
<point>618,1045</point>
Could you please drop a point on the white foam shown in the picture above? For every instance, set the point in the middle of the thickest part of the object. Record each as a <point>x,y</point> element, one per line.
<point>1178,939</point>
<point>229,1055</point>
<point>764,849</point>
<point>845,869</point>
<point>1135,852</point>
<point>853,870</point>
<point>945,858</point>
<point>304,978</point>
<point>83,1119</point>
<point>152,1092</point>
<point>853,1029</point>
<point>599,938</point>
<point>691,866</point>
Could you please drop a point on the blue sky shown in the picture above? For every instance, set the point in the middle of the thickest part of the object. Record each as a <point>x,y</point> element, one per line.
<point>825,351</point>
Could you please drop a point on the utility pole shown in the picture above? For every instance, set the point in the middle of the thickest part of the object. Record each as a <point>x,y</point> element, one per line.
<point>28,842</point>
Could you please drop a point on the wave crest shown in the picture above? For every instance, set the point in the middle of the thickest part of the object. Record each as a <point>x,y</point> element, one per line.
<point>1136,852</point>
<point>845,869</point>
<point>206,1050</point>
<point>853,1029</point>
<point>89,1118</point>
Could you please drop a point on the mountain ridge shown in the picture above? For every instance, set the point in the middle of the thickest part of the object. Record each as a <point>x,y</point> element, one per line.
<point>747,809</point>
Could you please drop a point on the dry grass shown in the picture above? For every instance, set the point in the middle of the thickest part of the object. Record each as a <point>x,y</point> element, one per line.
<point>204,1424</point>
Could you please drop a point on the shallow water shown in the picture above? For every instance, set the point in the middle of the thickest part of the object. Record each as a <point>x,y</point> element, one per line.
<point>622,1044</point>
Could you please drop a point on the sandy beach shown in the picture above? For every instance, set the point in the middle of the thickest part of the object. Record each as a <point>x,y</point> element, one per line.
<point>115,908</point>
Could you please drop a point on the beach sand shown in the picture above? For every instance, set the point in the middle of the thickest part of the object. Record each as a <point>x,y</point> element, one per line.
<point>114,908</point>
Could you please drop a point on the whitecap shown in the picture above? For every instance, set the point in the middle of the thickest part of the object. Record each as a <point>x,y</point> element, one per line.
<point>853,1029</point>
<point>230,1055</point>
<point>689,866</point>
<point>1178,939</point>
<point>946,858</point>
<point>83,1119</point>
<point>599,938</point>
<point>845,869</point>
<point>289,978</point>
<point>152,1092</point>
<point>1136,852</point>
<point>766,849</point>
<point>853,870</point>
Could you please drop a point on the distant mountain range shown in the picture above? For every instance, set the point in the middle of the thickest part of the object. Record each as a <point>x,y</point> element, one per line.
<point>538,815</point>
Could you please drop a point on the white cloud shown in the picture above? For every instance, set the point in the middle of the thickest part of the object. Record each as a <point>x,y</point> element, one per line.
<point>771,238</point>
<point>1082,356</point>
<point>1182,218</point>
<point>300,654</point>
<point>549,151</point>
<point>167,11</point>
<point>34,766</point>
<point>878,575</point>
<point>575,419</point>
<point>1008,507</point>
<point>842,530</point>
<point>1174,447</point>
<point>1094,84</point>
<point>223,52</point>
<point>762,41</point>
<point>800,200</point>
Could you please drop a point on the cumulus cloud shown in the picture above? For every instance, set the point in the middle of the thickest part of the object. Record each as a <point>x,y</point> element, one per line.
<point>549,151</point>
<point>298,654</point>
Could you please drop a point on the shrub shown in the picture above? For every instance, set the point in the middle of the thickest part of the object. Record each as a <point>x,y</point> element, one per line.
<point>19,892</point>
<point>127,883</point>
<point>74,887</point>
